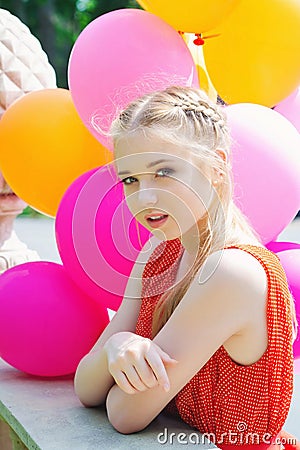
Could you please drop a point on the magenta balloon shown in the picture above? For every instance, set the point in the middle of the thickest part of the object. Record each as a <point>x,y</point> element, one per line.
<point>97,236</point>
<point>47,324</point>
<point>266,167</point>
<point>290,260</point>
<point>119,57</point>
<point>276,247</point>
<point>290,108</point>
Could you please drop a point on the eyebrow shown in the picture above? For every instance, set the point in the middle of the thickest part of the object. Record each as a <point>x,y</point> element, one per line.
<point>154,163</point>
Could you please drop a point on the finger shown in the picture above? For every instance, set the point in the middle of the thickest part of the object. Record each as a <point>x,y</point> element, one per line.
<point>164,356</point>
<point>170,361</point>
<point>146,373</point>
<point>123,383</point>
<point>134,379</point>
<point>156,364</point>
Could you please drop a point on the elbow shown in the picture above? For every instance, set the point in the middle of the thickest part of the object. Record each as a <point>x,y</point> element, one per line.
<point>123,424</point>
<point>87,399</point>
<point>122,415</point>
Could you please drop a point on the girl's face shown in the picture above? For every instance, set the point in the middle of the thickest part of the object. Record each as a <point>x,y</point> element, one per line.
<point>165,190</point>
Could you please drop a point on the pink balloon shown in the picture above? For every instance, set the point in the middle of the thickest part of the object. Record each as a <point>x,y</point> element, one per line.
<point>119,57</point>
<point>290,108</point>
<point>290,260</point>
<point>46,323</point>
<point>97,236</point>
<point>266,167</point>
<point>297,366</point>
<point>276,247</point>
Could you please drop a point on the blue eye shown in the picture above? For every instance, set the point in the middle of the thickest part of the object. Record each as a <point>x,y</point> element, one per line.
<point>128,180</point>
<point>166,171</point>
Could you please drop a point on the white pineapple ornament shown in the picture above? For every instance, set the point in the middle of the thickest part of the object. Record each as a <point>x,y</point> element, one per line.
<point>24,66</point>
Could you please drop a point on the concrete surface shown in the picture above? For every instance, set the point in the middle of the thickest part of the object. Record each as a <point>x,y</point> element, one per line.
<point>46,415</point>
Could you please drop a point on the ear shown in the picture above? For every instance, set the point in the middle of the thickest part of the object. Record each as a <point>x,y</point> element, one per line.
<point>222,153</point>
<point>217,175</point>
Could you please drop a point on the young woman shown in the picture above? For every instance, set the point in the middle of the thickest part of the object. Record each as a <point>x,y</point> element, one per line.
<point>206,325</point>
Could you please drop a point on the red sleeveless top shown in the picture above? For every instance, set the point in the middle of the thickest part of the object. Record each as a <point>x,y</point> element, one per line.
<point>225,396</point>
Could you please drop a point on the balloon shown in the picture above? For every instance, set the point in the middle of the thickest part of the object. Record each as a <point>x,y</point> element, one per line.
<point>45,146</point>
<point>193,16</point>
<point>197,54</point>
<point>266,167</point>
<point>290,260</point>
<point>276,247</point>
<point>290,108</point>
<point>97,237</point>
<point>46,323</point>
<point>253,56</point>
<point>119,57</point>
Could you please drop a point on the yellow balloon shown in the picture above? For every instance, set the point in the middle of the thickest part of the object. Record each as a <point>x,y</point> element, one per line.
<point>198,57</point>
<point>191,16</point>
<point>45,147</point>
<point>255,57</point>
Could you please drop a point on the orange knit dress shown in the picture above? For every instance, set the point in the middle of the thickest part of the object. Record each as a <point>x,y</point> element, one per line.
<point>224,398</point>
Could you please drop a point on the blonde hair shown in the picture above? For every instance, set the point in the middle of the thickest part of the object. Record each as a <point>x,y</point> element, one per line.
<point>186,116</point>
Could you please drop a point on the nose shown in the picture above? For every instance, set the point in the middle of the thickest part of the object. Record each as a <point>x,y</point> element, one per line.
<point>147,196</point>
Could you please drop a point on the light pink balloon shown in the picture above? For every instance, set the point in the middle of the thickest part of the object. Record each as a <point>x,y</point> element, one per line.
<point>119,57</point>
<point>290,108</point>
<point>266,167</point>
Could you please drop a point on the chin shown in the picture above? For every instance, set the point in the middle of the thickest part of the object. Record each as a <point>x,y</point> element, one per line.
<point>165,236</point>
<point>11,205</point>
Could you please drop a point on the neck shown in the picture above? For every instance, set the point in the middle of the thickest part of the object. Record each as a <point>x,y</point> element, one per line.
<point>6,227</point>
<point>192,239</point>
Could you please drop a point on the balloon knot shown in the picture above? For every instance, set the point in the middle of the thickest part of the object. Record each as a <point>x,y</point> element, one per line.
<point>199,40</point>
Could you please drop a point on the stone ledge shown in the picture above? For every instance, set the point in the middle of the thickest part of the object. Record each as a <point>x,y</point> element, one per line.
<point>45,414</point>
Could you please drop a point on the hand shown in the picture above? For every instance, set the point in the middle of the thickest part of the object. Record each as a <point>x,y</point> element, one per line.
<point>136,363</point>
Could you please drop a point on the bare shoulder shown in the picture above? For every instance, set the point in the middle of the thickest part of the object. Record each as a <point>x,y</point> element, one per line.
<point>237,270</point>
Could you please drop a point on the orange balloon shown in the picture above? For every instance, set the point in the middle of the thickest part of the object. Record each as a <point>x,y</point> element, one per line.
<point>254,56</point>
<point>45,147</point>
<point>191,16</point>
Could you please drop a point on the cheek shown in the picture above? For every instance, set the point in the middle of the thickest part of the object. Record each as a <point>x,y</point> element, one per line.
<point>130,198</point>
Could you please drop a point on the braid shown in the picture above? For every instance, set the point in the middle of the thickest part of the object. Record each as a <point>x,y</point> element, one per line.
<point>201,108</point>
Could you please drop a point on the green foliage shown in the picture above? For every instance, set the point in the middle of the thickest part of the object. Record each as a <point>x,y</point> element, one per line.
<point>29,212</point>
<point>57,24</point>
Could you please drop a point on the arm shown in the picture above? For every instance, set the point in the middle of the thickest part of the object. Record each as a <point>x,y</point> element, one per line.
<point>93,379</point>
<point>207,316</point>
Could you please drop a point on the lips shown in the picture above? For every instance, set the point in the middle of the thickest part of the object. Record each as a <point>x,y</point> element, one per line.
<point>156,220</point>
